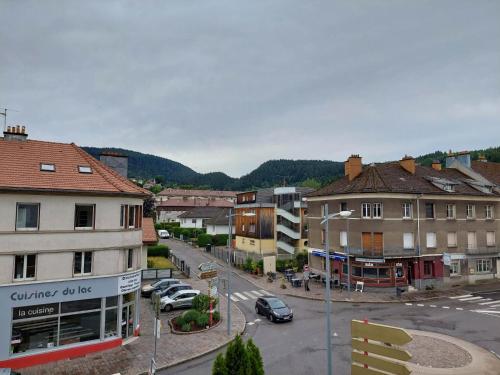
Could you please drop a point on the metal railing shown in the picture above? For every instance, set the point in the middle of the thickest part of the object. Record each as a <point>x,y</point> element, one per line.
<point>380,253</point>
<point>181,265</point>
<point>156,273</point>
<point>484,250</point>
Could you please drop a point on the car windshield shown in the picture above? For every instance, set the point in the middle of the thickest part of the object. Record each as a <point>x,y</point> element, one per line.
<point>276,303</point>
<point>156,284</point>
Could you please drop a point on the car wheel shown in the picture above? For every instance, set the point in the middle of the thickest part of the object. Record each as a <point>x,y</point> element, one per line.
<point>270,317</point>
<point>257,310</point>
<point>168,308</point>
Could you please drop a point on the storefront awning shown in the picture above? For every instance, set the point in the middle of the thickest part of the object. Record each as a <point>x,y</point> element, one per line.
<point>333,255</point>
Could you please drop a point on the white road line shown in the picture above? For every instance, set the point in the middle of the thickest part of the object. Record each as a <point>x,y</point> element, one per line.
<point>494,306</point>
<point>409,304</point>
<point>433,305</point>
<point>446,307</point>
<point>265,292</point>
<point>259,294</point>
<point>257,320</point>
<point>489,303</point>
<point>487,311</point>
<point>481,300</point>
<point>464,296</point>
<point>249,295</point>
<point>470,299</point>
<point>459,308</point>
<point>233,298</point>
<point>420,305</point>
<point>240,296</point>
<point>250,323</point>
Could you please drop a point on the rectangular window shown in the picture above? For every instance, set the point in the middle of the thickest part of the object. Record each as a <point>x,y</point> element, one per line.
<point>322,236</point>
<point>367,241</point>
<point>429,210</point>
<point>428,268</point>
<point>252,228</point>
<point>455,268</point>
<point>84,169</point>
<point>131,216</point>
<point>343,206</point>
<point>193,221</point>
<point>483,265</point>
<point>366,212</point>
<point>370,273</point>
<point>24,267</point>
<point>407,211</point>
<point>490,239</point>
<point>130,258</point>
<point>123,215</point>
<point>84,216</point>
<point>431,240</point>
<point>408,241</point>
<point>322,210</point>
<point>33,335</point>
<point>242,227</point>
<point>471,211</point>
<point>343,238</point>
<point>80,328</point>
<point>488,211</point>
<point>377,210</point>
<point>452,239</point>
<point>471,240</point>
<point>82,264</point>
<point>451,211</point>
<point>27,216</point>
<point>45,167</point>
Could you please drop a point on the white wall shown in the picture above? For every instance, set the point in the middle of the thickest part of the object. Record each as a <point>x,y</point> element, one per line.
<point>218,229</point>
<point>188,223</point>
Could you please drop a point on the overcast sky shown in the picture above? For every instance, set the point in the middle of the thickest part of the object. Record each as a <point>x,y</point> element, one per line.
<point>226,85</point>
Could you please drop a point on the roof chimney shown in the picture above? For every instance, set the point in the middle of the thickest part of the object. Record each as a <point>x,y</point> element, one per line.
<point>408,164</point>
<point>436,164</point>
<point>15,133</point>
<point>462,157</point>
<point>353,167</point>
<point>116,161</point>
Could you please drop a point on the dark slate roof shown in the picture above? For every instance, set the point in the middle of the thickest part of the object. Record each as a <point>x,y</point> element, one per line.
<point>489,170</point>
<point>392,178</point>
<point>220,219</point>
<point>203,213</point>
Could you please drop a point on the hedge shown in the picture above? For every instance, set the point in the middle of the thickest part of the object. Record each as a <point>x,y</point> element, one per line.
<point>204,240</point>
<point>158,251</point>
<point>220,239</point>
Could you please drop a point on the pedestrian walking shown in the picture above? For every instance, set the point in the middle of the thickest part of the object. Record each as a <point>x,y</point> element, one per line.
<point>306,281</point>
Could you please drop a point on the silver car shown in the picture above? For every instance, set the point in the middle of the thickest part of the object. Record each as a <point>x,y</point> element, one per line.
<point>178,300</point>
<point>170,290</point>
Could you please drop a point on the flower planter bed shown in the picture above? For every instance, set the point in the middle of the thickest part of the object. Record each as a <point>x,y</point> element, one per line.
<point>177,329</point>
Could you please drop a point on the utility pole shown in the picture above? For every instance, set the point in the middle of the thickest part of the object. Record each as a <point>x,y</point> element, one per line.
<point>156,333</point>
<point>229,272</point>
<point>328,299</point>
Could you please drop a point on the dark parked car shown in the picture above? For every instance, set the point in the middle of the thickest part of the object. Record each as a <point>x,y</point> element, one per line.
<point>148,289</point>
<point>274,309</point>
<point>171,290</point>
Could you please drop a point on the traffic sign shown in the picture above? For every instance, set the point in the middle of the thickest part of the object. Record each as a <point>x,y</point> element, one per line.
<point>380,363</point>
<point>208,266</point>
<point>379,332</point>
<point>208,274</point>
<point>381,349</point>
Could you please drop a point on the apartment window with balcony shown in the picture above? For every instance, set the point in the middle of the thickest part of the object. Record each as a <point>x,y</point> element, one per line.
<point>407,211</point>
<point>377,210</point>
<point>488,211</point>
<point>366,212</point>
<point>84,216</point>
<point>408,241</point>
<point>123,215</point>
<point>429,211</point>
<point>82,264</point>
<point>490,239</point>
<point>24,267</point>
<point>130,259</point>
<point>431,240</point>
<point>471,240</point>
<point>343,238</point>
<point>471,211</point>
<point>455,268</point>
<point>451,211</point>
<point>452,239</point>
<point>483,265</point>
<point>27,216</point>
<point>343,206</point>
<point>131,216</point>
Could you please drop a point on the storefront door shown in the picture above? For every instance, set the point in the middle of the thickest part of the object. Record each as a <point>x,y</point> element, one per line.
<point>410,273</point>
<point>128,315</point>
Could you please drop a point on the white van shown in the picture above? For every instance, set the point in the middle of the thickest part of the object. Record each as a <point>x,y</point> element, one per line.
<point>163,233</point>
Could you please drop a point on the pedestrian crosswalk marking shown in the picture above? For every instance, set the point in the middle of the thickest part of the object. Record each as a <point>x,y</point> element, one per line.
<point>487,311</point>
<point>433,305</point>
<point>459,309</point>
<point>420,305</point>
<point>258,294</point>
<point>263,291</point>
<point>240,296</point>
<point>409,304</point>
<point>464,296</point>
<point>250,323</point>
<point>470,299</point>
<point>446,307</point>
<point>494,306</point>
<point>490,302</point>
<point>249,295</point>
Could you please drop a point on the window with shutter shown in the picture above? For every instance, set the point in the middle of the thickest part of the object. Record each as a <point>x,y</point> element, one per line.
<point>367,241</point>
<point>408,241</point>
<point>431,240</point>
<point>471,240</point>
<point>378,243</point>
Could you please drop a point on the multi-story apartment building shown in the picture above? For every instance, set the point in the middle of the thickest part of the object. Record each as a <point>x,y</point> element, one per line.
<point>411,224</point>
<point>277,221</point>
<point>70,252</point>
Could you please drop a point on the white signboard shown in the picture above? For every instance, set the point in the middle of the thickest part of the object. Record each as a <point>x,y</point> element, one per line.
<point>446,259</point>
<point>209,266</point>
<point>129,283</point>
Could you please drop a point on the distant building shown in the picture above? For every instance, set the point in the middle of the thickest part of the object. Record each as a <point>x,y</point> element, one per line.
<point>70,253</point>
<point>169,209</point>
<point>271,221</point>
<point>214,219</point>
<point>411,225</point>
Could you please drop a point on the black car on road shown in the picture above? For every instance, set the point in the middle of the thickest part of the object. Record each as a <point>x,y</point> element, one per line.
<point>274,309</point>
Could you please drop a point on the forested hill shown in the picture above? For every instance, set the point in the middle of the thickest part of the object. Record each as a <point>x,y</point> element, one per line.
<point>311,173</point>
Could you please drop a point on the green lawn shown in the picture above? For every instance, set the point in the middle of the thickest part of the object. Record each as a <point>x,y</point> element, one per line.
<point>159,262</point>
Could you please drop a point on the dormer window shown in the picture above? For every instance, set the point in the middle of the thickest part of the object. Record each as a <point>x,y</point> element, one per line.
<point>84,169</point>
<point>46,167</point>
<point>448,187</point>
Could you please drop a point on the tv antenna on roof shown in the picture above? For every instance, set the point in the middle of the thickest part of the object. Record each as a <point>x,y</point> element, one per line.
<point>4,114</point>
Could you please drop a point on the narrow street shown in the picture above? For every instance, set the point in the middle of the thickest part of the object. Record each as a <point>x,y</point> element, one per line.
<point>299,347</point>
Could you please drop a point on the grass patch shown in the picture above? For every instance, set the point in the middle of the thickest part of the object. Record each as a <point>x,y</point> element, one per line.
<point>159,262</point>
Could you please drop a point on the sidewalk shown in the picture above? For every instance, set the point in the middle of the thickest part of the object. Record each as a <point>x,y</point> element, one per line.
<point>134,358</point>
<point>317,290</point>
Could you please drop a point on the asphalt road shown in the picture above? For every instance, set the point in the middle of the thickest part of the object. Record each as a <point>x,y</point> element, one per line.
<point>298,347</point>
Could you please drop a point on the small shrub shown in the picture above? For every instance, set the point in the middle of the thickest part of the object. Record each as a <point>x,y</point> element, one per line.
<point>202,320</point>
<point>191,316</point>
<point>150,263</point>
<point>159,250</point>
<point>204,240</point>
<point>186,327</point>
<point>260,265</point>
<point>180,321</point>
<point>248,265</point>
<point>220,240</point>
<point>201,303</point>
<point>216,316</point>
<point>280,265</point>
<point>301,259</point>
<point>177,231</point>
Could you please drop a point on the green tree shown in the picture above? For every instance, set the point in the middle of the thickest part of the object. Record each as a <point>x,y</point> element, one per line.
<point>156,189</point>
<point>219,366</point>
<point>311,183</point>
<point>236,357</point>
<point>149,207</point>
<point>255,365</point>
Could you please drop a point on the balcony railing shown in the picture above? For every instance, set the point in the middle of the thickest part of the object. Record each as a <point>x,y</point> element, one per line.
<point>381,253</point>
<point>484,250</point>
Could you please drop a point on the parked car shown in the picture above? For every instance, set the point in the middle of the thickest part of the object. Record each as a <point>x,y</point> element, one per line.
<point>148,289</point>
<point>171,290</point>
<point>273,308</point>
<point>163,233</point>
<point>180,299</point>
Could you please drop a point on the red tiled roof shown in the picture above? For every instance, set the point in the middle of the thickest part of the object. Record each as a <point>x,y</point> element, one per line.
<point>392,178</point>
<point>194,203</point>
<point>148,231</point>
<point>198,193</point>
<point>20,169</point>
<point>489,170</point>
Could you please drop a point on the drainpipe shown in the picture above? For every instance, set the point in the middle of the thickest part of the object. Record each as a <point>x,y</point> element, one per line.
<point>418,241</point>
